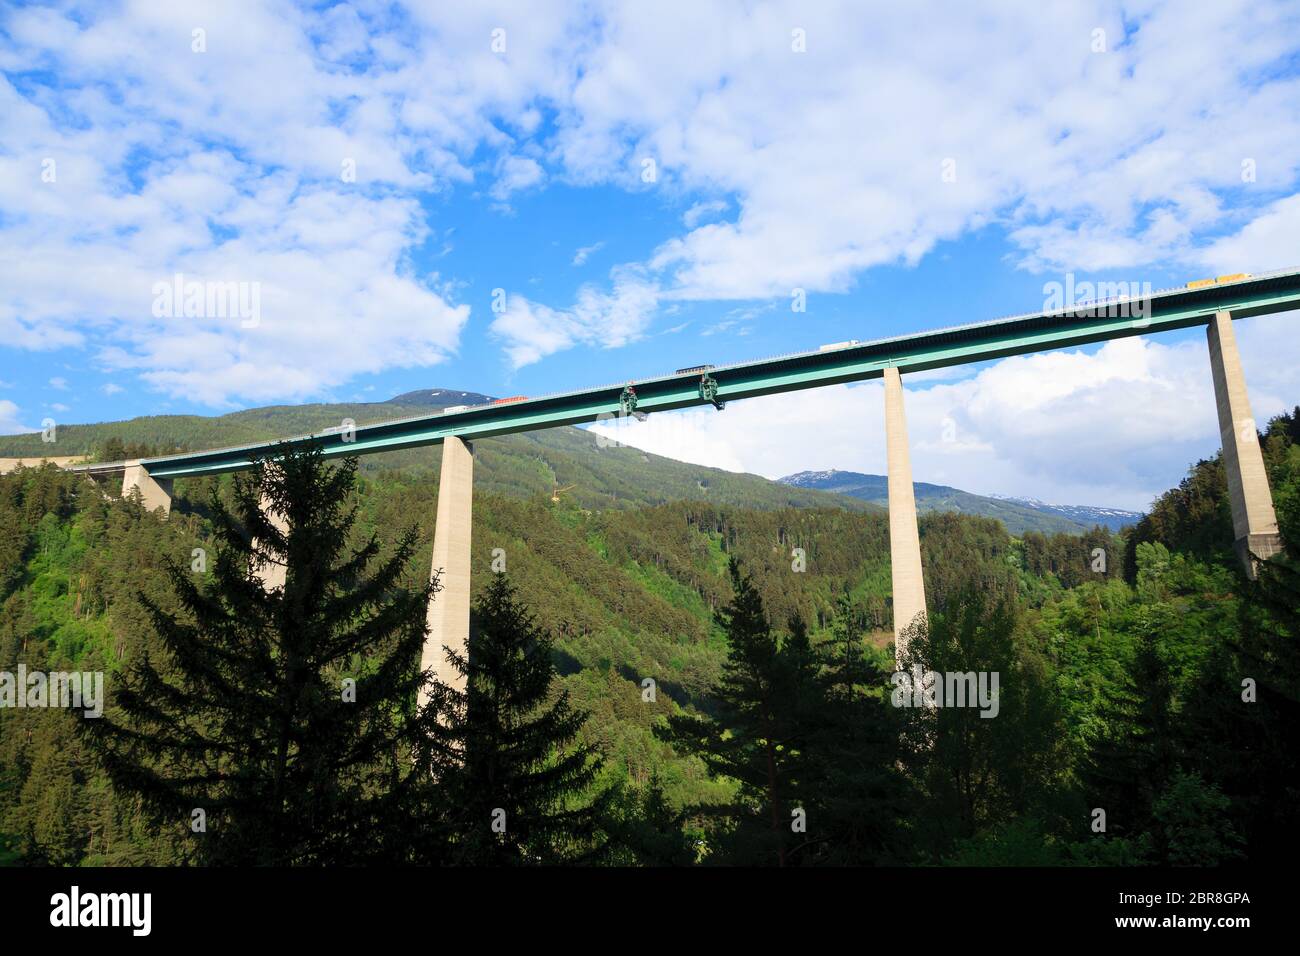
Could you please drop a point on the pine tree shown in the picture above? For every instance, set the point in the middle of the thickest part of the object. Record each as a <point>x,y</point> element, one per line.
<point>1244,732</point>
<point>644,829</point>
<point>858,797</point>
<point>978,772</point>
<point>1128,768</point>
<point>760,724</point>
<point>250,716</point>
<point>511,780</point>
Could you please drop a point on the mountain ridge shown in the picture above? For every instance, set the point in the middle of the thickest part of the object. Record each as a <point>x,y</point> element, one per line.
<point>1018,514</point>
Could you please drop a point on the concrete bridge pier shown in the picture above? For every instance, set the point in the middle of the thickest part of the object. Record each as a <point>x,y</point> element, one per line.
<point>904,538</point>
<point>273,575</point>
<point>1254,522</point>
<point>154,492</point>
<point>448,616</point>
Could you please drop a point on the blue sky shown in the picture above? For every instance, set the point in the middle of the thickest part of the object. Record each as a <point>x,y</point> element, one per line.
<point>647,185</point>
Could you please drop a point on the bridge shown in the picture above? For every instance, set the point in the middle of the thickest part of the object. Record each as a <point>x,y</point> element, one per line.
<point>1213,304</point>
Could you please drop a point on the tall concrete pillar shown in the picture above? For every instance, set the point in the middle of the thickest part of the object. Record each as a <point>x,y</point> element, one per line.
<point>1254,523</point>
<point>274,574</point>
<point>449,608</point>
<point>155,493</point>
<point>904,538</point>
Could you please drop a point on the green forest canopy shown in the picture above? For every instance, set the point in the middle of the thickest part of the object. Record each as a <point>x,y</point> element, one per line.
<point>629,589</point>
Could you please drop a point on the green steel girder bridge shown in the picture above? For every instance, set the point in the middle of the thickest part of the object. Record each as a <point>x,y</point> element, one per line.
<point>1210,303</point>
<point>958,345</point>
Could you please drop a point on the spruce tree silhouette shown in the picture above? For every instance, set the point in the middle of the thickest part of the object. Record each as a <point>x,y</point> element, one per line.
<point>763,720</point>
<point>510,779</point>
<point>281,718</point>
<point>856,797</point>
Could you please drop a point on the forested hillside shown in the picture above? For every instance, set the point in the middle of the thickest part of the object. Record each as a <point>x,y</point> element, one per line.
<point>1123,676</point>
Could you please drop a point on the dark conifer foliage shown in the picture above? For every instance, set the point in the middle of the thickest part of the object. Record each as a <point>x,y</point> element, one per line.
<point>757,733</point>
<point>643,829</point>
<point>511,784</point>
<point>1129,765</point>
<point>251,717</point>
<point>1243,734</point>
<point>808,735</point>
<point>858,799</point>
<point>977,765</point>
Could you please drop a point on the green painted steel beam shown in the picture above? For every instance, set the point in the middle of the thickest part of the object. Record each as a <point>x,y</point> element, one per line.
<point>960,345</point>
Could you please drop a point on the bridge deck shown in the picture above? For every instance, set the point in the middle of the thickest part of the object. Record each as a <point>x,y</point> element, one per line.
<point>958,345</point>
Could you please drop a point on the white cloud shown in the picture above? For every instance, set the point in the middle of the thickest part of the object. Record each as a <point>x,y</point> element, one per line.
<point>112,388</point>
<point>584,253</point>
<point>531,331</point>
<point>235,165</point>
<point>10,424</point>
<point>1115,427</point>
<point>1270,241</point>
<point>515,173</point>
<point>1094,160</point>
<point>59,383</point>
<point>691,218</point>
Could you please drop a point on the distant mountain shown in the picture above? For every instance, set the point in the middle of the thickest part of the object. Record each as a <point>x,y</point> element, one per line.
<point>1113,518</point>
<point>1018,514</point>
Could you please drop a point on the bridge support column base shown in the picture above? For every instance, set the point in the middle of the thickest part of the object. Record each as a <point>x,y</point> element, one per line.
<point>1255,548</point>
<point>155,493</point>
<point>448,615</point>
<point>1254,522</point>
<point>904,537</point>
